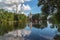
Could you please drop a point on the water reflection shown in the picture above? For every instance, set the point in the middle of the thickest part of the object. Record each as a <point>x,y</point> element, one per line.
<point>57,37</point>
<point>6,27</point>
<point>20,34</point>
<point>43,30</point>
<point>41,24</point>
<point>30,25</point>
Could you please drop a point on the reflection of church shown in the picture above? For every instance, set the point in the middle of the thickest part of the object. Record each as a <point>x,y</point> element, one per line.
<point>30,25</point>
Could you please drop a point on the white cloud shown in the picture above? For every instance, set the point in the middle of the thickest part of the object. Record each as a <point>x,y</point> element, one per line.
<point>27,0</point>
<point>8,8</point>
<point>13,1</point>
<point>26,7</point>
<point>23,8</point>
<point>0,0</point>
<point>6,4</point>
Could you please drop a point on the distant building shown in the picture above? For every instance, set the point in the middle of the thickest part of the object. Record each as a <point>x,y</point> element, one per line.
<point>30,16</point>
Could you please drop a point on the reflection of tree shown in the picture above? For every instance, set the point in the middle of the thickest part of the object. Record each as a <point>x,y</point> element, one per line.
<point>18,25</point>
<point>57,37</point>
<point>59,29</point>
<point>21,25</point>
<point>41,25</point>
<point>36,25</point>
<point>5,27</point>
<point>54,25</point>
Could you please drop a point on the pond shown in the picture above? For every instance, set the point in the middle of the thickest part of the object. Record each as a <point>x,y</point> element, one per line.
<point>43,30</point>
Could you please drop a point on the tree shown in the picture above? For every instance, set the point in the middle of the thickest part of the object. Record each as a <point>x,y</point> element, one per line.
<point>22,18</point>
<point>10,16</point>
<point>50,7</point>
<point>36,17</point>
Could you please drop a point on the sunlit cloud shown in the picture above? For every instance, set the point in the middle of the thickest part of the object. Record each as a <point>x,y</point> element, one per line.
<point>11,5</point>
<point>13,1</point>
<point>26,7</point>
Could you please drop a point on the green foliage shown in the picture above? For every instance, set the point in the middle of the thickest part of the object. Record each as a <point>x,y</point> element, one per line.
<point>10,21</point>
<point>6,16</point>
<point>9,16</point>
<point>49,7</point>
<point>36,16</point>
<point>22,18</point>
<point>39,16</point>
<point>56,18</point>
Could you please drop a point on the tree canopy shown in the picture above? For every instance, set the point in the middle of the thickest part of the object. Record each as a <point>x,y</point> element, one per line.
<point>10,16</point>
<point>51,7</point>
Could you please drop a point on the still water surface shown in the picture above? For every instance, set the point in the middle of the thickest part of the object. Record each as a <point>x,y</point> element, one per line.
<point>31,31</point>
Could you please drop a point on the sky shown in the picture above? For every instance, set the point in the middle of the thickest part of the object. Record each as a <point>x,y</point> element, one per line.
<point>33,6</point>
<point>25,6</point>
